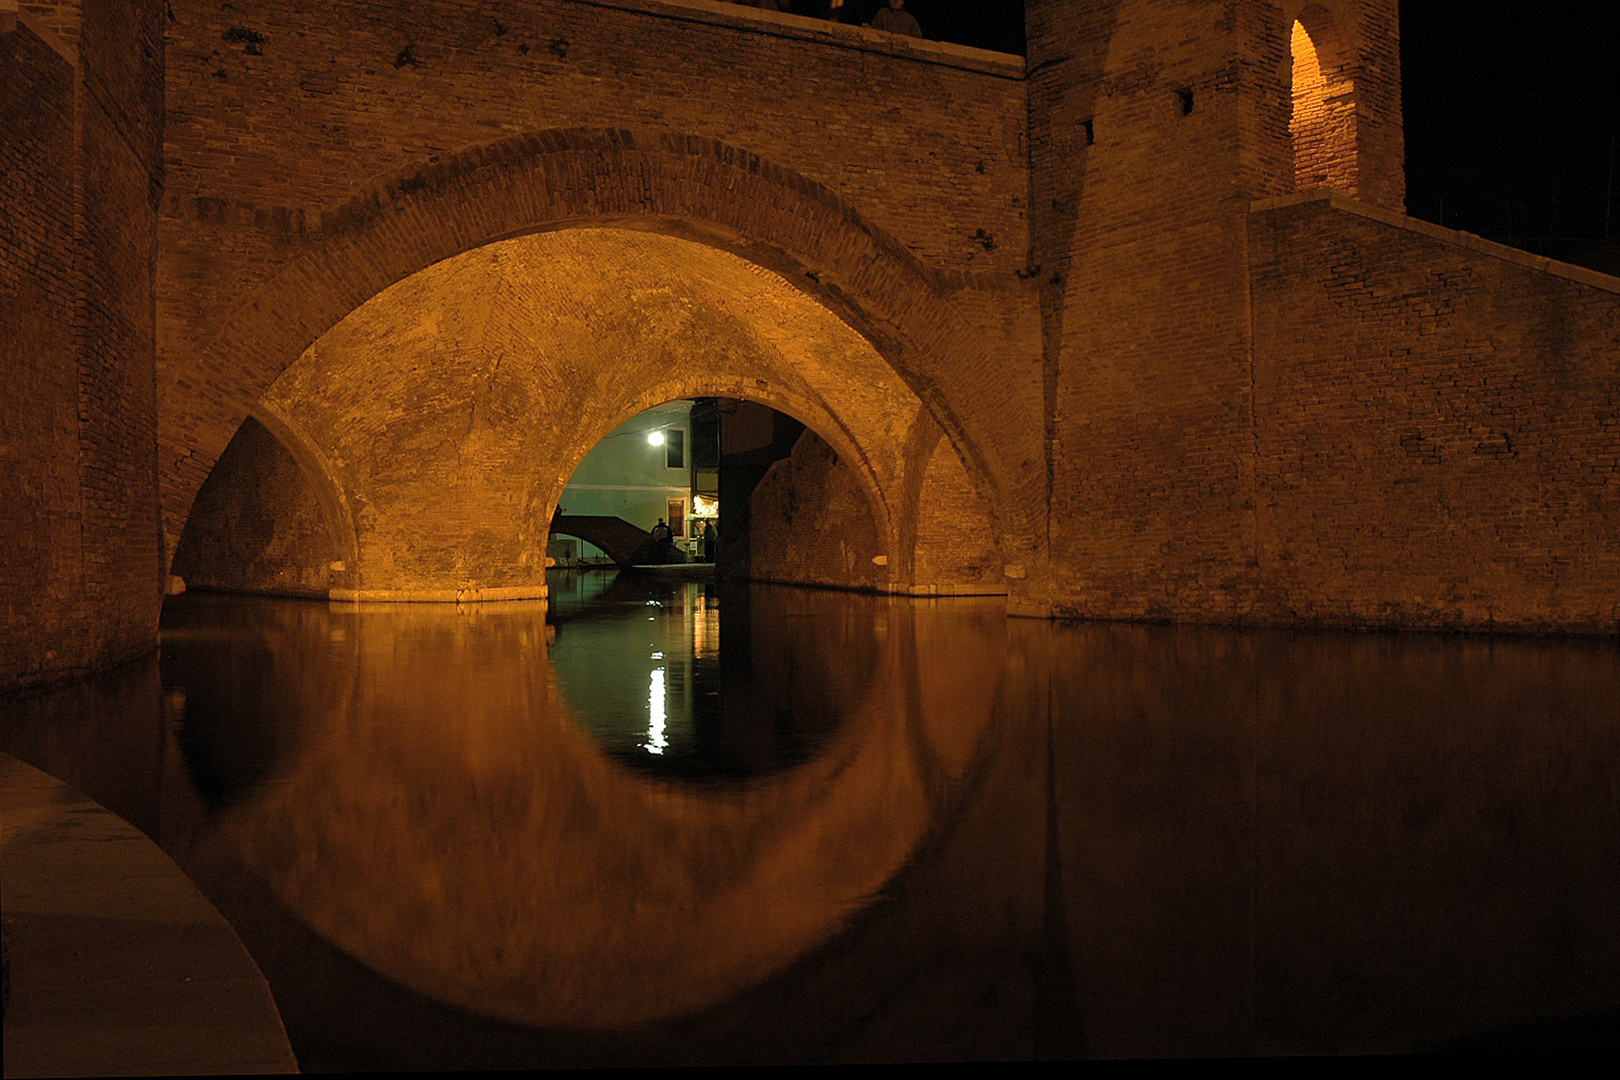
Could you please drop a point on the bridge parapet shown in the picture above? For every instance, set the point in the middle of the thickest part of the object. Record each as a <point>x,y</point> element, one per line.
<point>838,35</point>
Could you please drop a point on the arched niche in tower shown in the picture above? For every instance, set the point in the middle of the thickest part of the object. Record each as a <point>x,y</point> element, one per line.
<point>1323,122</point>
<point>1345,124</point>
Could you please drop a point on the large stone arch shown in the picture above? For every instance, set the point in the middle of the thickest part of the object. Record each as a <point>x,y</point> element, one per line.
<point>679,185</point>
<point>449,411</point>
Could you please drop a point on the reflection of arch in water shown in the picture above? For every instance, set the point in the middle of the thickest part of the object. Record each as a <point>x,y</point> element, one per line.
<point>456,832</point>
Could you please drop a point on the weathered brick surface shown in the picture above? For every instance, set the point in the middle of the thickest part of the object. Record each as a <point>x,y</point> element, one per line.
<point>1147,317</point>
<point>121,171</point>
<point>1149,396</point>
<point>452,408</point>
<point>258,525</point>
<point>81,152</point>
<point>57,23</point>
<point>280,116</point>
<point>811,523</point>
<point>304,161</point>
<point>1437,428</point>
<point>1346,120</point>
<point>1057,267</point>
<point>955,550</point>
<point>39,531</point>
<point>967,379</point>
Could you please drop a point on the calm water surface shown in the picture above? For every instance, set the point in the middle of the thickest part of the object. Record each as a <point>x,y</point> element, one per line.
<point>670,822</point>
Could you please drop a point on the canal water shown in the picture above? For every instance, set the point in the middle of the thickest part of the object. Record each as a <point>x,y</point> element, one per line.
<point>670,822</point>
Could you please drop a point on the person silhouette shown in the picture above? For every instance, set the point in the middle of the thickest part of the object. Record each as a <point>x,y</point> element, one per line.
<point>896,21</point>
<point>662,536</point>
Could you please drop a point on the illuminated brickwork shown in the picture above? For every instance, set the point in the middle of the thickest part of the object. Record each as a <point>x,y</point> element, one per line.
<point>956,537</point>
<point>258,525</point>
<point>1064,324</point>
<point>1345,122</point>
<point>811,523</point>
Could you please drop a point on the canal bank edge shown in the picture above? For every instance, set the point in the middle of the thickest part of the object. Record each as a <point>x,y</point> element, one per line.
<point>117,964</point>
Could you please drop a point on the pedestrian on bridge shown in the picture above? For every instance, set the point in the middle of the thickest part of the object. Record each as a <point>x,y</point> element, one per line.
<point>663,537</point>
<point>895,20</point>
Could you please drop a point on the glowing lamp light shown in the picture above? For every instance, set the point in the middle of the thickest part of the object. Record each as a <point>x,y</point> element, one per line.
<point>655,438</point>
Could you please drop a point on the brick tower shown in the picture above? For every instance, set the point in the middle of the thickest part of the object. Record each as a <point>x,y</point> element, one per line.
<point>1153,128</point>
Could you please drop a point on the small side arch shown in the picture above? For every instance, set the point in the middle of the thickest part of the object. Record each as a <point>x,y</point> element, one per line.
<point>328,493</point>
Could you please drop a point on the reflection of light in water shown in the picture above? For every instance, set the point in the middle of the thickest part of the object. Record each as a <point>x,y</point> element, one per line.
<point>656,742</point>
<point>705,628</point>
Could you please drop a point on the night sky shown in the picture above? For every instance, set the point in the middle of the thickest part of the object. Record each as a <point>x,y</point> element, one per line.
<point>1510,119</point>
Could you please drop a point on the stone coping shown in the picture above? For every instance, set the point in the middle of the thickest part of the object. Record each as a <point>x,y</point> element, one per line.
<point>838,35</point>
<point>1337,200</point>
<point>465,595</point>
<point>118,965</point>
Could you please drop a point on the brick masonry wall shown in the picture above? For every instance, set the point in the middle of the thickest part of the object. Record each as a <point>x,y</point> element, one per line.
<point>451,409</point>
<point>956,541</point>
<point>39,532</point>
<point>1150,401</point>
<point>1355,138</point>
<point>314,161</point>
<point>280,115</point>
<point>1147,322</point>
<point>257,525</point>
<point>121,177</point>
<point>82,156</point>
<point>58,22</point>
<point>1323,125</point>
<point>1437,428</point>
<point>810,522</point>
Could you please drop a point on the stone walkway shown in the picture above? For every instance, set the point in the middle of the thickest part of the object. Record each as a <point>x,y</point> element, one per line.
<point>118,965</point>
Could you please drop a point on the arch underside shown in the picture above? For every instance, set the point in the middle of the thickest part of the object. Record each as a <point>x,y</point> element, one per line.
<point>760,285</point>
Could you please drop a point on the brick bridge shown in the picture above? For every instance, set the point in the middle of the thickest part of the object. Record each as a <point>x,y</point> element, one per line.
<point>621,541</point>
<point>1136,328</point>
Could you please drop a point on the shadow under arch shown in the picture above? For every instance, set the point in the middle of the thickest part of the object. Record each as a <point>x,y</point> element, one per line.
<point>680,185</point>
<point>317,470</point>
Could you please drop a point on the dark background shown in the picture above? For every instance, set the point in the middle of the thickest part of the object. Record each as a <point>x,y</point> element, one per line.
<point>1512,111</point>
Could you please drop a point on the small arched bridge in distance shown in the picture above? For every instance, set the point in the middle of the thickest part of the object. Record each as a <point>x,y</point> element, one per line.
<point>625,544</point>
